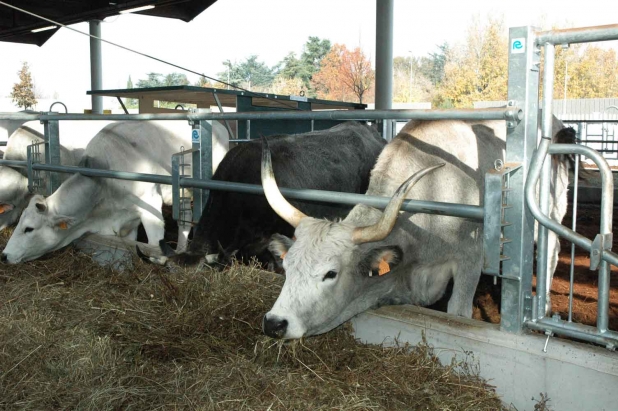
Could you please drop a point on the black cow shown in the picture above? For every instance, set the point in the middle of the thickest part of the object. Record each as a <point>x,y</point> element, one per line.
<point>240,225</point>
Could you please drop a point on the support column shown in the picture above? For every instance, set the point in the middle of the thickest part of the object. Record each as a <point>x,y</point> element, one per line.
<point>384,54</point>
<point>96,66</point>
<point>521,141</point>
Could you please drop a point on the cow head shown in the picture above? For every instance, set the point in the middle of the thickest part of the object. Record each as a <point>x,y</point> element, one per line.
<point>334,270</point>
<point>39,231</point>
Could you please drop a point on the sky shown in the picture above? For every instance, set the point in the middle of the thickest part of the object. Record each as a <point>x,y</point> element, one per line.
<point>235,29</point>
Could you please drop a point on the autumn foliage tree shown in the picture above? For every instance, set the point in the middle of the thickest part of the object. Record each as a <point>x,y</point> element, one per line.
<point>477,70</point>
<point>344,75</point>
<point>23,91</point>
<point>592,72</point>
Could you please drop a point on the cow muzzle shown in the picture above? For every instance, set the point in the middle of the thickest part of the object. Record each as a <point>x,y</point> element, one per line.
<point>274,327</point>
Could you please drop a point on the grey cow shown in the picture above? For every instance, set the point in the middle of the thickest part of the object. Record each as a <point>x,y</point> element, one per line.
<point>335,270</point>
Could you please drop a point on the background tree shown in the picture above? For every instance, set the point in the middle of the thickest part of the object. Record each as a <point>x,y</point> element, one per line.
<point>307,65</point>
<point>23,91</point>
<point>251,74</point>
<point>432,67</point>
<point>478,69</point>
<point>410,83</point>
<point>344,75</point>
<point>130,102</point>
<point>592,72</point>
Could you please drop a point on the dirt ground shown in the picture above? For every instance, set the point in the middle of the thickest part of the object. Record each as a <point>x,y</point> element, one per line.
<point>487,300</point>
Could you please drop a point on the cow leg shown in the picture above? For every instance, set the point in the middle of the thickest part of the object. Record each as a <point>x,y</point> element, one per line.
<point>466,280</point>
<point>152,217</point>
<point>553,249</point>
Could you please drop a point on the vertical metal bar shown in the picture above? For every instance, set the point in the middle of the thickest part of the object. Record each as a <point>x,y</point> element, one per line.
<point>196,169</point>
<point>607,201</point>
<point>29,169</point>
<point>543,277</point>
<point>96,66</point>
<point>52,152</point>
<point>384,54</point>
<point>248,136</point>
<point>523,91</point>
<point>574,226</point>
<point>176,186</point>
<point>205,156</point>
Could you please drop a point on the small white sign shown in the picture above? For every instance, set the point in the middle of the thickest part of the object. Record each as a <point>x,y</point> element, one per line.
<point>195,136</point>
<point>518,45</point>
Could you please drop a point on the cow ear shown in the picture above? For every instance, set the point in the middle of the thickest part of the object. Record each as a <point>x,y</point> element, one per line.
<point>41,207</point>
<point>382,260</point>
<point>63,222</point>
<point>5,208</point>
<point>279,245</point>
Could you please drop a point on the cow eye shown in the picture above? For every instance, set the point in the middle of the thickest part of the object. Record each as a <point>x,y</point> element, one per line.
<point>330,275</point>
<point>28,229</point>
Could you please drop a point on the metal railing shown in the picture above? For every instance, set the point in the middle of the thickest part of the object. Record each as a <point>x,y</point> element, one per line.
<point>600,248</point>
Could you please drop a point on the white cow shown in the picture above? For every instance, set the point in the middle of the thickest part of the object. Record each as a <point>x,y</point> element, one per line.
<point>107,206</point>
<point>14,194</point>
<point>335,270</point>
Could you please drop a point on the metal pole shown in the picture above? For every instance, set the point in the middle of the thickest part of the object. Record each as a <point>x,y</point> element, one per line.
<point>413,206</point>
<point>523,91</point>
<point>566,76</point>
<point>510,113</point>
<point>578,35</point>
<point>96,66</point>
<point>574,225</point>
<point>51,130</point>
<point>543,277</point>
<point>384,58</point>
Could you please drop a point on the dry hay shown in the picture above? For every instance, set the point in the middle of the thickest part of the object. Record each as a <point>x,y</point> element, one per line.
<point>74,335</point>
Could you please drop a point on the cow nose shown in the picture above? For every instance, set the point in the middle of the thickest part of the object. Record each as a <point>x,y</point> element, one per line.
<point>4,258</point>
<point>274,327</point>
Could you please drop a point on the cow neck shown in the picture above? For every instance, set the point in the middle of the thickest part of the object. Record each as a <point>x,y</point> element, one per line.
<point>75,198</point>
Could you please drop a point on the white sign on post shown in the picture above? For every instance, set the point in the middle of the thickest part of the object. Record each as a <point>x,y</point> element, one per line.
<point>518,45</point>
<point>195,136</point>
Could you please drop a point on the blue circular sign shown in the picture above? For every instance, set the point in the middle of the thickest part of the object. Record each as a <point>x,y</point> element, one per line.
<point>195,135</point>
<point>517,45</point>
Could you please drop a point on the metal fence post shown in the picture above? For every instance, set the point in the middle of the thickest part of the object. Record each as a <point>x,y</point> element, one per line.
<point>523,92</point>
<point>201,139</point>
<point>52,152</point>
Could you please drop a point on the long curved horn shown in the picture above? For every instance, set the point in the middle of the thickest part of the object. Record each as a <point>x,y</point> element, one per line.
<point>279,204</point>
<point>380,230</point>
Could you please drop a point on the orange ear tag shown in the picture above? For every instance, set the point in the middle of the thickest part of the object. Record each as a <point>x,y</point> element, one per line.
<point>383,268</point>
<point>283,255</point>
<point>63,225</point>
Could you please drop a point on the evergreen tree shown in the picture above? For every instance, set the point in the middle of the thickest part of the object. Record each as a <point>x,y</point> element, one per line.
<point>23,92</point>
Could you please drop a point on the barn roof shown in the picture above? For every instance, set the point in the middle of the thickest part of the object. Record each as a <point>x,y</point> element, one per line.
<point>17,27</point>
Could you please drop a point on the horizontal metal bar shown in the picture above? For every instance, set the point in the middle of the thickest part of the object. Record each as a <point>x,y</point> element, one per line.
<point>599,141</point>
<point>3,143</point>
<point>610,121</point>
<point>578,35</point>
<point>574,330</point>
<point>508,113</point>
<point>429,207</point>
<point>14,163</point>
